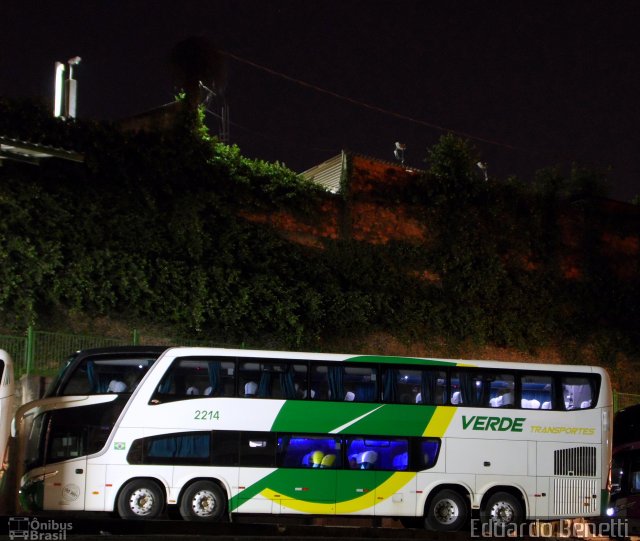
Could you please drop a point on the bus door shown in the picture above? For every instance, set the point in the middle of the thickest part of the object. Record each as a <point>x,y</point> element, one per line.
<point>65,467</point>
<point>64,485</point>
<point>257,465</point>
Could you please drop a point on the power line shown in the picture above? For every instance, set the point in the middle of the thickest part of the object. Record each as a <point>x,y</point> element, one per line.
<point>371,107</point>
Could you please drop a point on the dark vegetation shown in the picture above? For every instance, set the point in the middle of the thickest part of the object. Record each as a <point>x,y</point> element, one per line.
<point>148,230</point>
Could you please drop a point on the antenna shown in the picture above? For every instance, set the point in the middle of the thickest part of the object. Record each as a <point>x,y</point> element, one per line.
<point>223,117</point>
<point>399,152</point>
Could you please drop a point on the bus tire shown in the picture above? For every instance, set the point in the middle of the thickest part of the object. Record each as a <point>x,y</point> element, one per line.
<point>203,501</point>
<point>501,510</point>
<point>140,499</point>
<point>448,511</point>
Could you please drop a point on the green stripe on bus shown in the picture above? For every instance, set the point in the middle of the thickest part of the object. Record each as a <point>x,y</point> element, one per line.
<point>352,418</point>
<point>318,486</point>
<point>400,360</point>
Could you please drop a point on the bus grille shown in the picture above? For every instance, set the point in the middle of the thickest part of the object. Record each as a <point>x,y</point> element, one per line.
<point>575,497</point>
<point>579,461</point>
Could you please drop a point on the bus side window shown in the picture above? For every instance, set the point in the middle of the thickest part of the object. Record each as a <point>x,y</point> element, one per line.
<point>578,392</point>
<point>501,390</point>
<point>428,450</point>
<point>536,392</point>
<point>320,382</point>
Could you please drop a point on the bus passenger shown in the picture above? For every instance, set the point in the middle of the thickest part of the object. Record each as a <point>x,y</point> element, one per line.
<point>116,386</point>
<point>250,389</point>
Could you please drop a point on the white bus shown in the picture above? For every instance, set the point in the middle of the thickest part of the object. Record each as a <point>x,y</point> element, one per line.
<point>218,432</point>
<point>7,397</point>
<point>86,373</point>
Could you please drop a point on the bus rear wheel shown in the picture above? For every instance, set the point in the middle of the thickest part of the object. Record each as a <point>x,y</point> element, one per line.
<point>502,510</point>
<point>203,501</point>
<point>447,512</point>
<point>140,499</point>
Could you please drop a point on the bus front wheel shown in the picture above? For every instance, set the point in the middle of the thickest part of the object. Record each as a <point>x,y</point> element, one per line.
<point>501,510</point>
<point>202,501</point>
<point>447,512</point>
<point>140,499</point>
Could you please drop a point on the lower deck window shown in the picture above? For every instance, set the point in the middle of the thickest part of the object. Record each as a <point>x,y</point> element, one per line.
<point>286,450</point>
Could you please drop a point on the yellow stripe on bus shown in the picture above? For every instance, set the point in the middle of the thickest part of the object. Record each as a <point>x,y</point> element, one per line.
<point>440,421</point>
<point>368,499</point>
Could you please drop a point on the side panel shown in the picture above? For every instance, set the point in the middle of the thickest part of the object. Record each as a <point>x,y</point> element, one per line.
<point>356,492</point>
<point>310,491</point>
<point>64,485</point>
<point>95,487</point>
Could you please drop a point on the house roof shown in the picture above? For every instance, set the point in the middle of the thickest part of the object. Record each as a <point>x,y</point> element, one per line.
<point>330,172</point>
<point>33,153</point>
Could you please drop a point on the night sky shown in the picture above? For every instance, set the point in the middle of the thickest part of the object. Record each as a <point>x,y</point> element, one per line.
<point>532,84</point>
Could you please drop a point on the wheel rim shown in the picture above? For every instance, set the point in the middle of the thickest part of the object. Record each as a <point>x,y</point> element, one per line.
<point>142,502</point>
<point>446,511</point>
<point>203,503</point>
<point>502,513</point>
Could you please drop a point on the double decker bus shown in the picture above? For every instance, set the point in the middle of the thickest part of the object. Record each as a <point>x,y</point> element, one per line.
<point>107,375</point>
<point>625,468</point>
<point>218,432</point>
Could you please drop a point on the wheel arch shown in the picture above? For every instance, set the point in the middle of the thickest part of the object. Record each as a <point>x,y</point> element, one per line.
<point>215,480</point>
<point>164,489</point>
<point>460,488</point>
<point>516,492</point>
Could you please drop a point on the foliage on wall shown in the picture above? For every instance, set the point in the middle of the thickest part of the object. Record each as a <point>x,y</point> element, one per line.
<point>150,228</point>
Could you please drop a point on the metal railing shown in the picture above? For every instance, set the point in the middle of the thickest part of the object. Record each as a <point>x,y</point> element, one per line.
<point>42,353</point>
<point>624,400</point>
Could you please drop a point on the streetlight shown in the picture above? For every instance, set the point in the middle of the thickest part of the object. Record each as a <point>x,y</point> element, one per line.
<point>66,91</point>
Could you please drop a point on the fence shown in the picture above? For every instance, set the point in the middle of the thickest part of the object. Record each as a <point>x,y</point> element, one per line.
<point>624,400</point>
<point>42,353</point>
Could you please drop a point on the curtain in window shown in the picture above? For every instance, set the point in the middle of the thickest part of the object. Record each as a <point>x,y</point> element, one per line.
<point>264,387</point>
<point>389,391</point>
<point>287,384</point>
<point>336,382</point>
<point>470,394</point>
<point>428,386</point>
<point>94,381</point>
<point>166,384</point>
<point>213,368</point>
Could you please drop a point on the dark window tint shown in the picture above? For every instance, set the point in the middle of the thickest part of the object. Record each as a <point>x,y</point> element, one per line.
<point>225,448</point>
<point>72,433</point>
<point>183,448</point>
<point>258,449</point>
<point>428,453</point>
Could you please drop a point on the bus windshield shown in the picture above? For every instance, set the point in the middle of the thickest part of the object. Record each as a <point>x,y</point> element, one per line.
<point>106,370</point>
<point>59,435</point>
